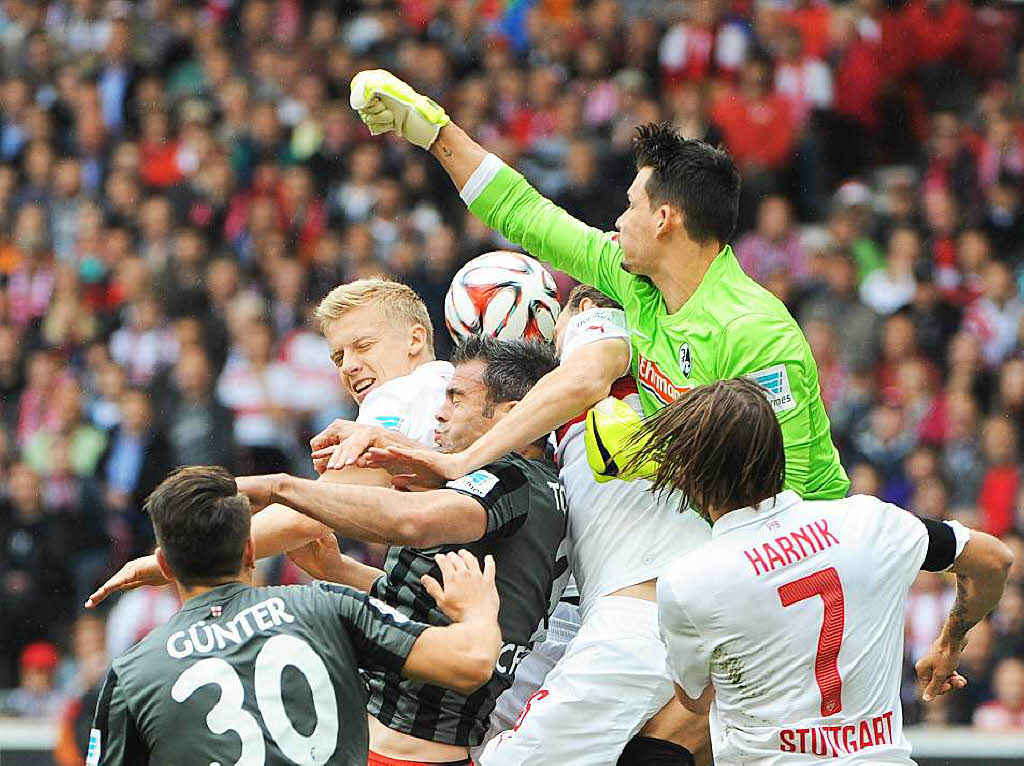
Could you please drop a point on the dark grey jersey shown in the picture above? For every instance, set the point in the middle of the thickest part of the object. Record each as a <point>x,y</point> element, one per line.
<point>255,676</point>
<point>525,528</point>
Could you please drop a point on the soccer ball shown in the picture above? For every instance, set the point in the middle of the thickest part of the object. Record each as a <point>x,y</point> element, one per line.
<point>505,295</point>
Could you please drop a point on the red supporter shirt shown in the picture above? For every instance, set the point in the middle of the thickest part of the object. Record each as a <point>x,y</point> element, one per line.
<point>756,132</point>
<point>997,499</point>
<point>936,31</point>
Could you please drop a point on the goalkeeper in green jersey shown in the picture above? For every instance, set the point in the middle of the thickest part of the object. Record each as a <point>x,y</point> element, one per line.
<point>694,316</point>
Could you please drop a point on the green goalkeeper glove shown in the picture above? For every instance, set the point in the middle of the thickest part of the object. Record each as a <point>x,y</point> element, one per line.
<point>612,449</point>
<point>386,103</point>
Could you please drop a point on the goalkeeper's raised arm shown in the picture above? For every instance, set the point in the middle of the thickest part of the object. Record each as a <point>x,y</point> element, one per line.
<point>694,316</point>
<point>496,193</point>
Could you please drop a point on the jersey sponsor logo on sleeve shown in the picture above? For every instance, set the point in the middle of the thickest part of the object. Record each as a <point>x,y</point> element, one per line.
<point>478,483</point>
<point>390,422</point>
<point>92,757</point>
<point>775,381</point>
<point>655,382</point>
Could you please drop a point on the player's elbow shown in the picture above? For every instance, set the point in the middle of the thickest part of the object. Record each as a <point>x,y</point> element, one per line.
<point>1002,558</point>
<point>475,669</point>
<point>586,388</point>
<point>411,529</point>
<point>990,558</point>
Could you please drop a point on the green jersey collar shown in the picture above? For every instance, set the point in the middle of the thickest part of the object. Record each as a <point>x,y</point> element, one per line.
<point>722,267</point>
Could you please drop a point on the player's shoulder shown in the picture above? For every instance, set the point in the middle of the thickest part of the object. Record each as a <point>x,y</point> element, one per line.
<point>535,470</point>
<point>740,303</point>
<point>694,578</point>
<point>594,324</point>
<point>509,473</point>
<point>428,377</point>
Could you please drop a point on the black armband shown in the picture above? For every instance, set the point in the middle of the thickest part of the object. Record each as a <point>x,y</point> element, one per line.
<point>941,546</point>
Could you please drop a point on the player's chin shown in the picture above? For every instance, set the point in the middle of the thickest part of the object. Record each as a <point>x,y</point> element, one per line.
<point>358,396</point>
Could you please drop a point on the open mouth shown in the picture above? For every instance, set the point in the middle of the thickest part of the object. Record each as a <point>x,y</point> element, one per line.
<point>361,387</point>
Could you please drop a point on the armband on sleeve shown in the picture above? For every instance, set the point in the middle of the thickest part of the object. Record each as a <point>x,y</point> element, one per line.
<point>946,541</point>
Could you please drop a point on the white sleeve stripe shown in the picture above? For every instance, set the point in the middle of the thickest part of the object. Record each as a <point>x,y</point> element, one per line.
<point>962,535</point>
<point>483,175</point>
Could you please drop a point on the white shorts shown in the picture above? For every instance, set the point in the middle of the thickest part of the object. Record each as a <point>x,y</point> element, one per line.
<point>532,670</point>
<point>610,682</point>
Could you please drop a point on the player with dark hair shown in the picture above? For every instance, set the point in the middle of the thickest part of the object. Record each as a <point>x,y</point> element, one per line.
<point>513,509</point>
<point>694,316</point>
<point>796,643</point>
<point>271,675</point>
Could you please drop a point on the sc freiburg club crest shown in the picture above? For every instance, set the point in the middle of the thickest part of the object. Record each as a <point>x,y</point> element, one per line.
<point>684,359</point>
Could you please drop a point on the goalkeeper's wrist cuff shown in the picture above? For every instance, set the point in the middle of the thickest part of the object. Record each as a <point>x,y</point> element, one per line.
<point>481,177</point>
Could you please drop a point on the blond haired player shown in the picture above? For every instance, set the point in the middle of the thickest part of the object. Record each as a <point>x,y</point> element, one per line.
<point>788,624</point>
<point>382,342</point>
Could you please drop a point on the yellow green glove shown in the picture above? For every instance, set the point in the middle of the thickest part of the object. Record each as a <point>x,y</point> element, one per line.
<point>610,444</point>
<point>386,103</point>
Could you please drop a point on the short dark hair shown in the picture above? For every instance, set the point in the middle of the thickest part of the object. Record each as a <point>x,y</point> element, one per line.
<point>702,181</point>
<point>513,366</point>
<point>720,445</point>
<point>578,293</point>
<point>201,523</point>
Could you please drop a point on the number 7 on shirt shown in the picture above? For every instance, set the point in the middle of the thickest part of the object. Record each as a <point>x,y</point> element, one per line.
<point>824,583</point>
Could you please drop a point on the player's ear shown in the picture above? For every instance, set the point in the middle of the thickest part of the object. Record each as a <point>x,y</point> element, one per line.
<point>585,305</point>
<point>504,407</point>
<point>417,339</point>
<point>249,557</point>
<point>165,569</point>
<point>668,219</point>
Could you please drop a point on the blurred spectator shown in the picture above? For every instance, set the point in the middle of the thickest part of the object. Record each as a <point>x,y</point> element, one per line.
<point>1001,481</point>
<point>85,673</point>
<point>892,287</point>
<point>201,428</point>
<point>84,443</point>
<point>135,614</point>
<point>839,306</point>
<point>994,319</point>
<point>774,248</point>
<point>32,570</point>
<point>961,457</point>
<point>587,194</point>
<point>137,458</point>
<point>143,346</point>
<point>1006,711</point>
<point>263,396</point>
<point>36,695</point>
<point>758,129</point>
<point>802,79</point>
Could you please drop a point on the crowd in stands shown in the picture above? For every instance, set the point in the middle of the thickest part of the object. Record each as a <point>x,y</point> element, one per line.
<point>181,182</point>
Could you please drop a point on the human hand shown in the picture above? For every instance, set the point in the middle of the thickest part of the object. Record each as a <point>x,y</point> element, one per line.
<point>321,559</point>
<point>134,574</point>
<point>468,593</point>
<point>936,670</point>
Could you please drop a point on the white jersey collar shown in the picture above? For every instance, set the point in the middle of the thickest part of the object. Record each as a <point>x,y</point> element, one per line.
<point>751,514</point>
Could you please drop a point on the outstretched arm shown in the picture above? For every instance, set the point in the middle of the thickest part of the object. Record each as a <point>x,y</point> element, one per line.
<point>495,193</point>
<point>582,380</point>
<point>277,529</point>
<point>374,514</point>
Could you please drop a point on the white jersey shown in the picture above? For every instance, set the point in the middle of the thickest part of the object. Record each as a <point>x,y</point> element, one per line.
<point>794,611</point>
<point>409,404</point>
<point>619,534</point>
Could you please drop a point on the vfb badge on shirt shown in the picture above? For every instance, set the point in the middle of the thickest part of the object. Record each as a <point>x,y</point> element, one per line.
<point>685,363</point>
